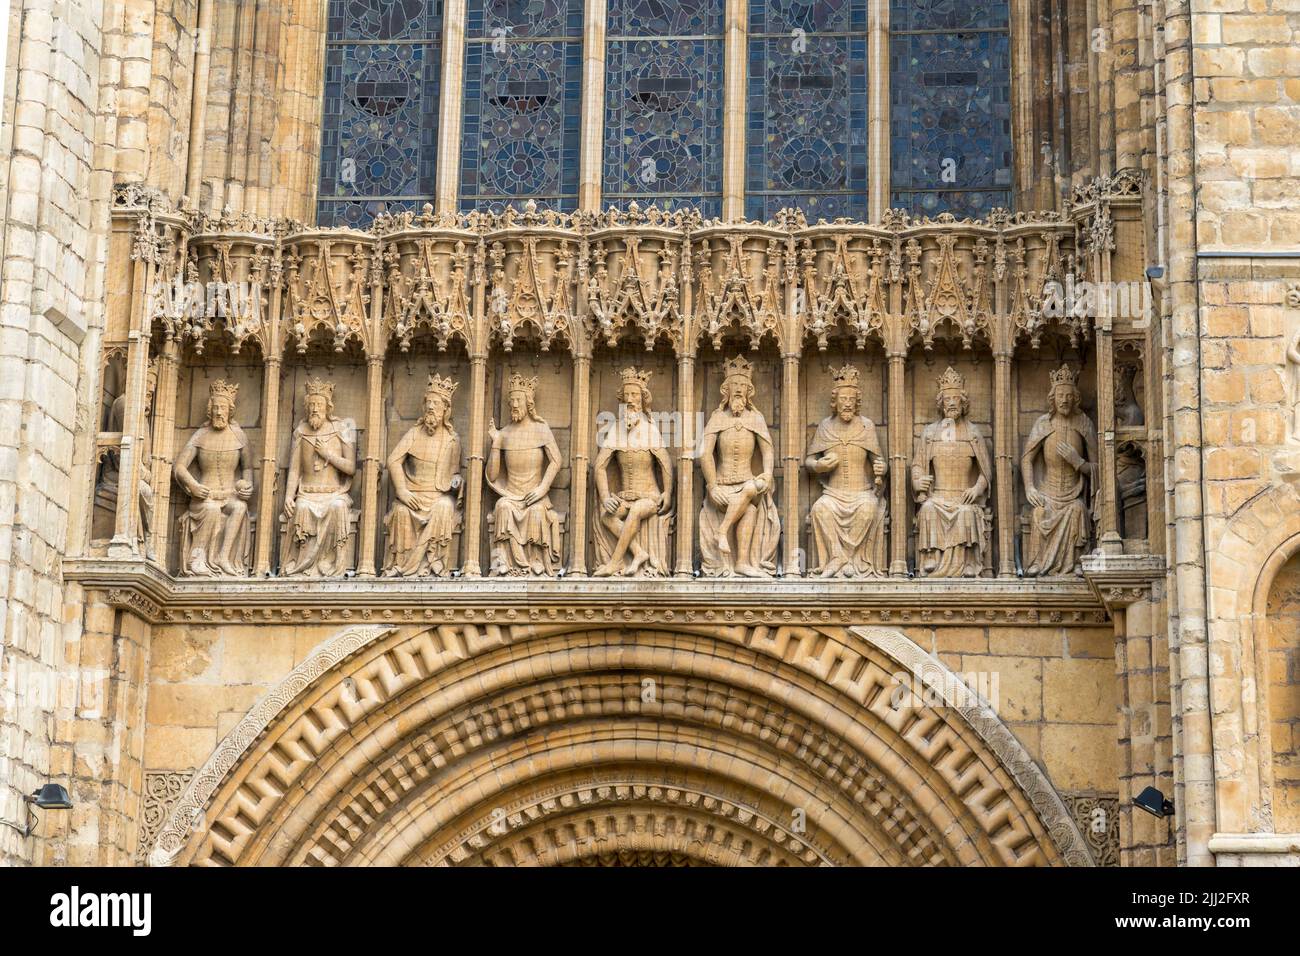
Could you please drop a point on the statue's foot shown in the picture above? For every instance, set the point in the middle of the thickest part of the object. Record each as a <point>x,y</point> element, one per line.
<point>724,546</point>
<point>637,563</point>
<point>605,571</point>
<point>748,571</point>
<point>832,569</point>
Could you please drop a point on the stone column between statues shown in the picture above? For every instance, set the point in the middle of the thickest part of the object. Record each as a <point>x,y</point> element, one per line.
<point>792,441</point>
<point>478,345</point>
<point>127,519</point>
<point>452,93</point>
<point>164,431</point>
<point>266,523</point>
<point>370,463</point>
<point>580,465</point>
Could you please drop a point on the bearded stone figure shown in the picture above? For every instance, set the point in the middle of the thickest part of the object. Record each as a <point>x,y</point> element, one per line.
<point>631,530</point>
<point>848,520</point>
<point>424,468</point>
<point>317,499</point>
<point>739,522</point>
<point>523,462</point>
<point>107,489</point>
<point>215,469</point>
<point>1058,466</point>
<point>951,473</point>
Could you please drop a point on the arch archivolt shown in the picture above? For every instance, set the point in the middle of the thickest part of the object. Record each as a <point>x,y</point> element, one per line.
<point>539,744</point>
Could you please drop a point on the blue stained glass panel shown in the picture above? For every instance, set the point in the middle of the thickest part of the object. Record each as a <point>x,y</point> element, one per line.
<point>521,122</point>
<point>950,122</point>
<point>950,15</point>
<point>812,16</point>
<point>652,18</point>
<point>520,19</point>
<point>663,118</point>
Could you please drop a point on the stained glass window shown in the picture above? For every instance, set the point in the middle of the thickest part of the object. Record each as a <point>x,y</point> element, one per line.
<point>379,130</point>
<point>523,97</point>
<point>950,109</point>
<point>663,104</point>
<point>806,136</point>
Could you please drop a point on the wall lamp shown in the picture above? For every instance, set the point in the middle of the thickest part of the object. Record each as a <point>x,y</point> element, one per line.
<point>1154,802</point>
<point>51,796</point>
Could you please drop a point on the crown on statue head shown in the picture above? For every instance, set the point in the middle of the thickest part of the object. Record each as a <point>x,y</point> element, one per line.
<point>444,388</point>
<point>324,389</point>
<point>1065,376</point>
<point>518,383</point>
<point>632,376</point>
<point>847,377</point>
<point>951,381</point>
<point>738,368</point>
<point>223,390</point>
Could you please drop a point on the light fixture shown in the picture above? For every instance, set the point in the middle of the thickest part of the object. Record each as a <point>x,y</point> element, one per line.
<point>1154,802</point>
<point>51,796</point>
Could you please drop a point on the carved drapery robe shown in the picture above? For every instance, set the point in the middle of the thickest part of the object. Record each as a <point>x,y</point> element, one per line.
<point>1060,530</point>
<point>849,526</point>
<point>637,439</point>
<point>535,527</point>
<point>317,534</point>
<point>208,520</point>
<point>767,527</point>
<point>417,540</point>
<point>952,536</point>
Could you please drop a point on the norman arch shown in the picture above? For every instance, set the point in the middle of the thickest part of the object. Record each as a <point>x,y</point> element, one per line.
<point>562,743</point>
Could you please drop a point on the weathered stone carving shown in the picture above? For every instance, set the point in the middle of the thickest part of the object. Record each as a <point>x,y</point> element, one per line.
<point>318,500</point>
<point>424,468</point>
<point>1293,378</point>
<point>110,476</point>
<point>526,532</point>
<point>214,532</point>
<point>848,520</point>
<point>1131,485</point>
<point>952,473</point>
<point>1059,462</point>
<point>739,522</point>
<point>631,533</point>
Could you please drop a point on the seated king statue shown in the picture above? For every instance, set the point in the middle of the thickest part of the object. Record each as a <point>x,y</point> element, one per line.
<point>318,496</point>
<point>521,467</point>
<point>848,520</point>
<point>425,471</point>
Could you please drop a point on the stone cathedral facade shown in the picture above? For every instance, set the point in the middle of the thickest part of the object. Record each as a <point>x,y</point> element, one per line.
<point>605,432</point>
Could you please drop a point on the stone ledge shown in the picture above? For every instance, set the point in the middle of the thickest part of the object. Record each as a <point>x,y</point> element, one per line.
<point>1255,843</point>
<point>141,587</point>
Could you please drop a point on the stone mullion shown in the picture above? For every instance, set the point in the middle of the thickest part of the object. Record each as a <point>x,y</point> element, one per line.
<point>1023,113</point>
<point>126,520</point>
<point>270,436</point>
<point>1003,453</point>
<point>581,459</point>
<point>686,409</point>
<point>1108,533</point>
<point>452,97</point>
<point>592,137</point>
<point>478,397</point>
<point>791,443</point>
<point>370,464</point>
<point>878,142</point>
<point>736,63</point>
<point>898,456</point>
<point>164,431</point>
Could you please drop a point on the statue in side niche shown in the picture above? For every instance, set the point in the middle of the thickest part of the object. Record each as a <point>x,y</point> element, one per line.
<point>1059,466</point>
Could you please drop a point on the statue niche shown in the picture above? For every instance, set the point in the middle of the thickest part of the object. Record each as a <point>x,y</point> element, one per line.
<point>1059,463</point>
<point>216,471</point>
<point>526,531</point>
<point>424,468</point>
<point>848,519</point>
<point>318,499</point>
<point>631,530</point>
<point>739,522</point>
<point>106,491</point>
<point>952,473</point>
